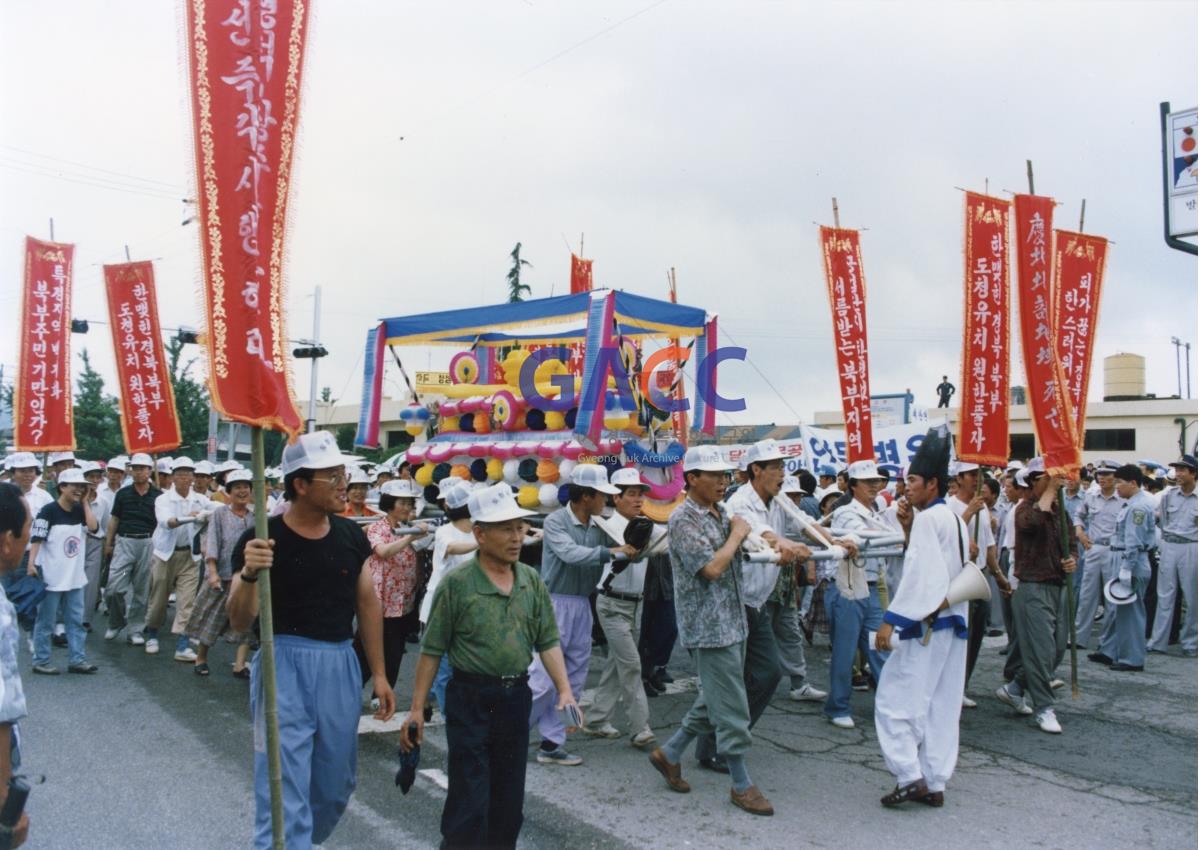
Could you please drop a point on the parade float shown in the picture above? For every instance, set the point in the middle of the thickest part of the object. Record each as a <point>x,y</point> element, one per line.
<point>539,386</point>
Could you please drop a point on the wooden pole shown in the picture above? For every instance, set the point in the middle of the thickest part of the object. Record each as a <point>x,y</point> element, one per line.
<point>51,229</point>
<point>1064,521</point>
<point>128,259</point>
<point>837,219</point>
<point>266,628</point>
<point>581,246</point>
<point>1082,210</point>
<point>1029,174</point>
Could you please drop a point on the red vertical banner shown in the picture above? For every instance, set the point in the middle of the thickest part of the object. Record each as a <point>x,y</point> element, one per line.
<point>1078,275</point>
<point>149,422</point>
<point>983,417</point>
<point>848,300</point>
<point>581,274</point>
<point>245,61</point>
<point>43,419</point>
<point>1048,405</point>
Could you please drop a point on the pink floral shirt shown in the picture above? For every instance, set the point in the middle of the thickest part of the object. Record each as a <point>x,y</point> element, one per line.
<point>395,577</point>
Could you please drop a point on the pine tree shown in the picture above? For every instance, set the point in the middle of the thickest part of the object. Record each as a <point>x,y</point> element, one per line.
<point>97,418</point>
<point>516,289</point>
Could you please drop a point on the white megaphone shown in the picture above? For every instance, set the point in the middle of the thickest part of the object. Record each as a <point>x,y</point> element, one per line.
<point>969,584</point>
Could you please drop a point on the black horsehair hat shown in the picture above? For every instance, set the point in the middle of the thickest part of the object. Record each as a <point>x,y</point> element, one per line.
<point>932,459</point>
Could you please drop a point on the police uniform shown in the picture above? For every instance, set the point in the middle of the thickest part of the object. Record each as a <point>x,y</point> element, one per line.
<point>1124,637</point>
<point>1177,568</point>
<point>1097,516</point>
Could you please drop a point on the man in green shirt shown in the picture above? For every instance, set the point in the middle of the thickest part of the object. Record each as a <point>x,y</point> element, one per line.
<point>489,616</point>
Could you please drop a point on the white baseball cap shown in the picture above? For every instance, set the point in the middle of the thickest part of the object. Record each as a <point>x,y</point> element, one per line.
<point>358,476</point>
<point>791,484</point>
<point>165,465</point>
<point>404,489</point>
<point>763,451</point>
<point>705,459</point>
<point>1037,465</point>
<point>59,457</point>
<point>183,462</point>
<point>236,476</point>
<point>594,477</point>
<point>141,459</point>
<point>118,463</point>
<point>71,476</point>
<point>628,477</point>
<point>864,470</point>
<point>203,467</point>
<point>88,466</point>
<point>965,466</point>
<point>318,450</point>
<point>495,504</point>
<point>458,495</point>
<point>823,492</point>
<point>446,485</point>
<point>22,460</point>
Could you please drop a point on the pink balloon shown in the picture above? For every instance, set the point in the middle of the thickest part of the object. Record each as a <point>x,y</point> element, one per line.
<point>502,451</point>
<point>480,449</point>
<point>572,450</point>
<point>439,452</point>
<point>550,449</point>
<point>666,492</point>
<point>416,455</point>
<point>448,408</point>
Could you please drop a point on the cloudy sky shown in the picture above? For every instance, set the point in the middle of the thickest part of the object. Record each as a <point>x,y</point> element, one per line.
<point>701,135</point>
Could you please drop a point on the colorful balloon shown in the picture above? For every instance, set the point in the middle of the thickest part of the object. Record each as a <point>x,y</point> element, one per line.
<point>527,497</point>
<point>547,471</point>
<point>464,368</point>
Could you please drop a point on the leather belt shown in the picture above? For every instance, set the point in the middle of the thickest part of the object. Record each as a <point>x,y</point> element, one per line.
<point>624,597</point>
<point>145,536</point>
<point>187,548</point>
<point>1172,537</point>
<point>1102,541</point>
<point>480,679</point>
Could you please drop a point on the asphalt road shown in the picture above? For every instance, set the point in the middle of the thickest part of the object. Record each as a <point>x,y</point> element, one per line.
<point>147,755</point>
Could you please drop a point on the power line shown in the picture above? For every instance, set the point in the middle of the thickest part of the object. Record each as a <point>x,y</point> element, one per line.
<point>172,186</point>
<point>87,180</point>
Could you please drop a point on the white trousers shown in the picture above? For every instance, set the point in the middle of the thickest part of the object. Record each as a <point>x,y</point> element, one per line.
<point>917,707</point>
<point>1176,574</point>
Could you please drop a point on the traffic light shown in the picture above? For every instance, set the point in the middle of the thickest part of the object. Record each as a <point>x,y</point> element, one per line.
<point>79,326</point>
<point>310,352</point>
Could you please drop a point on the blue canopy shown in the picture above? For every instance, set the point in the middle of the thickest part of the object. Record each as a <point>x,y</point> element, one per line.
<point>503,324</point>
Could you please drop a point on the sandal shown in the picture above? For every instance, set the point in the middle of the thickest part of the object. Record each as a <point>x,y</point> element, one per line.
<point>244,673</point>
<point>937,799</point>
<point>911,791</point>
<point>201,670</point>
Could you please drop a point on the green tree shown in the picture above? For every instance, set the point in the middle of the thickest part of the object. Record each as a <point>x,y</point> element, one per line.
<point>345,437</point>
<point>516,289</point>
<point>97,416</point>
<point>191,400</point>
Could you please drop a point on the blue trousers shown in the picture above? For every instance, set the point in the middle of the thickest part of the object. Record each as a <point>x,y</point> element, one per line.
<point>72,603</point>
<point>1124,639</point>
<point>318,691</point>
<point>849,622</point>
<point>440,680</point>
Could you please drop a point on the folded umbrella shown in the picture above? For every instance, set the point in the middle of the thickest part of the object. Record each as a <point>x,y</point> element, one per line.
<point>407,774</point>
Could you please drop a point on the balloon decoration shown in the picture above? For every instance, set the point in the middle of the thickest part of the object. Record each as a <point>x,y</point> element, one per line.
<point>479,470</point>
<point>440,471</point>
<point>547,471</point>
<point>552,448</point>
<point>535,420</point>
<point>556,420</point>
<point>572,450</point>
<point>479,449</point>
<point>527,497</point>
<point>569,419</point>
<point>483,423</point>
<point>637,453</point>
<point>424,474</point>
<point>461,470</point>
<point>448,408</point>
<point>615,417</point>
<point>464,368</point>
<point>565,469</point>
<point>670,490</point>
<point>466,422</point>
<point>439,452</point>
<point>564,494</point>
<point>527,469</point>
<point>415,418</point>
<point>511,367</point>
<point>495,469</point>
<point>512,471</point>
<point>416,455</point>
<point>547,368</point>
<point>505,410</point>
<point>548,496</point>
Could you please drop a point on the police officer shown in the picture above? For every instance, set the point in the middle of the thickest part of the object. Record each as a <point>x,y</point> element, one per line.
<point>1095,522</point>
<point>1123,646</point>
<point>1177,565</point>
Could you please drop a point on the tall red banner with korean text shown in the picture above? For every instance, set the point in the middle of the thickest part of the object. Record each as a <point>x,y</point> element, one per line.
<point>581,274</point>
<point>1078,275</point>
<point>245,61</point>
<point>983,417</point>
<point>848,299</point>
<point>43,418</point>
<point>148,419</point>
<point>1049,408</point>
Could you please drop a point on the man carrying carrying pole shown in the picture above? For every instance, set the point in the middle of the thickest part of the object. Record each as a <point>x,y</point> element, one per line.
<point>319,585</point>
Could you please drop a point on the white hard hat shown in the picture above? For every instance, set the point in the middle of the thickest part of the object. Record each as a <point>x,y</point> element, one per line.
<point>141,459</point>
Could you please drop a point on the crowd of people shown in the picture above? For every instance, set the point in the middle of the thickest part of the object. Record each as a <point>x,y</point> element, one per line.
<point>506,616</point>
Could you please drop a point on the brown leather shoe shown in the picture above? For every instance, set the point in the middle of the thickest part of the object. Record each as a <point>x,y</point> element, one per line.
<point>670,772</point>
<point>911,791</point>
<point>752,801</point>
<point>934,798</point>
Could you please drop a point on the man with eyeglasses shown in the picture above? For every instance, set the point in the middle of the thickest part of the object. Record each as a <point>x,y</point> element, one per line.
<point>318,586</point>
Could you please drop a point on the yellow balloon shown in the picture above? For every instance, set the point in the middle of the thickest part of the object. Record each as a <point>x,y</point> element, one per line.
<point>424,474</point>
<point>527,496</point>
<point>511,367</point>
<point>555,420</point>
<point>414,428</point>
<point>617,421</point>
<point>547,368</point>
<point>495,469</point>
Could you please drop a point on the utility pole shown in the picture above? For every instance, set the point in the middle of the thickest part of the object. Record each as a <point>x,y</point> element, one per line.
<point>1178,374</point>
<point>1187,360</point>
<point>311,425</point>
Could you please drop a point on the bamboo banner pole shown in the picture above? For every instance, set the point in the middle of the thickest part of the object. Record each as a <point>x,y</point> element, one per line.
<point>1065,521</point>
<point>266,627</point>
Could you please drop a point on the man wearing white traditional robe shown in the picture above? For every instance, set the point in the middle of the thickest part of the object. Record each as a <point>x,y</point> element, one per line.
<point>919,699</point>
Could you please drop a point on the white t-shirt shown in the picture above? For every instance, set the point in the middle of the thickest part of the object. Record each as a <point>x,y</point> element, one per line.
<point>36,498</point>
<point>62,553</point>
<point>983,537</point>
<point>443,563</point>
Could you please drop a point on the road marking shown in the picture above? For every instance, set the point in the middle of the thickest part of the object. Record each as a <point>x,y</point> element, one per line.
<point>437,777</point>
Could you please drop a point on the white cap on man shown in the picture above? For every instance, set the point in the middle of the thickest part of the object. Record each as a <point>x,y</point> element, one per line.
<point>864,470</point>
<point>705,459</point>
<point>594,477</point>
<point>762,452</point>
<point>236,476</point>
<point>118,463</point>
<point>318,450</point>
<point>964,466</point>
<point>457,496</point>
<point>203,467</point>
<point>628,476</point>
<point>71,476</point>
<point>181,462</point>
<point>23,460</point>
<point>164,465</point>
<point>89,466</point>
<point>358,476</point>
<point>495,504</point>
<point>141,459</point>
<point>791,484</point>
<point>59,457</point>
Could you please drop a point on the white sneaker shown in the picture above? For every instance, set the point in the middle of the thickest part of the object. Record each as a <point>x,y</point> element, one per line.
<point>1055,684</point>
<point>110,634</point>
<point>807,693</point>
<point>605,730</point>
<point>1018,703</point>
<point>969,703</point>
<point>137,639</point>
<point>643,739</point>
<point>188,654</point>
<point>152,646</point>
<point>1047,722</point>
<point>843,722</point>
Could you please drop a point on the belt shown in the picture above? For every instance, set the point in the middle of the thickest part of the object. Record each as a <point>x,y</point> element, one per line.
<point>480,679</point>
<point>1172,537</point>
<point>1102,541</point>
<point>624,597</point>
<point>187,548</point>
<point>145,536</point>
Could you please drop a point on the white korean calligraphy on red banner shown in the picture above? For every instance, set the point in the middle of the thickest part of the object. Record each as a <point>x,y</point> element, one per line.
<point>148,419</point>
<point>848,300</point>
<point>1079,273</point>
<point>43,417</point>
